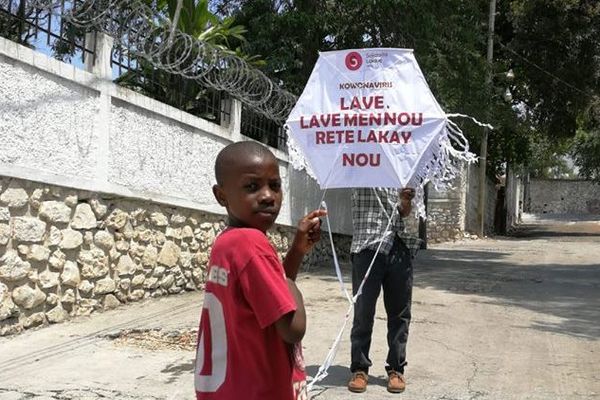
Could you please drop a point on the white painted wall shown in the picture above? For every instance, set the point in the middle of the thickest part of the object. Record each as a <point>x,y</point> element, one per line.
<point>69,127</point>
<point>47,124</point>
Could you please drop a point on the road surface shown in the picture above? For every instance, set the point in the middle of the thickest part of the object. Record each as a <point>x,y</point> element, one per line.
<point>502,318</point>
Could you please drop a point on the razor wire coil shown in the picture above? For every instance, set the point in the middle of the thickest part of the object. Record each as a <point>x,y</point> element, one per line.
<point>147,34</point>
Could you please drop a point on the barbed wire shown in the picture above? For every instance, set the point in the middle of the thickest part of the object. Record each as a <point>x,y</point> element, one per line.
<point>149,35</point>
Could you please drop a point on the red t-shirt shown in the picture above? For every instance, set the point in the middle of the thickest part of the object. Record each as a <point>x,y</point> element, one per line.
<point>240,354</point>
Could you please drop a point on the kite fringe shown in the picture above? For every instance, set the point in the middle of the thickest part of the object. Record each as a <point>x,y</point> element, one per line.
<point>471,118</point>
<point>443,164</point>
<point>295,156</point>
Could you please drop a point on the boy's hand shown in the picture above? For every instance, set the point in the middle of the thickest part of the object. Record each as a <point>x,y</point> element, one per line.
<point>309,231</point>
<point>307,234</point>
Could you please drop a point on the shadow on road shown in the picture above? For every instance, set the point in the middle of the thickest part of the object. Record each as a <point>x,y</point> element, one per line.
<point>569,292</point>
<point>515,273</point>
<point>563,226</point>
<point>339,376</point>
<point>590,230</point>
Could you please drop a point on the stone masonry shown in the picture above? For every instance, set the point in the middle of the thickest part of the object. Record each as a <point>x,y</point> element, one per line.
<point>563,196</point>
<point>66,253</point>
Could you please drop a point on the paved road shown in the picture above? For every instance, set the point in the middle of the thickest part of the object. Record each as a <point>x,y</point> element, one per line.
<point>509,318</point>
<point>504,318</point>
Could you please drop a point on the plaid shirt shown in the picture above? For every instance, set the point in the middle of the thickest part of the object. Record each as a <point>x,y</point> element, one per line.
<point>371,211</point>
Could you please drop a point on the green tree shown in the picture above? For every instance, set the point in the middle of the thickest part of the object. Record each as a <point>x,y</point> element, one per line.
<point>586,152</point>
<point>554,48</point>
<point>288,34</point>
<point>586,146</point>
<point>449,39</point>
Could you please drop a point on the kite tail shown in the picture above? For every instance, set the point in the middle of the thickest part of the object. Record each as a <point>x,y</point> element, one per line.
<point>442,163</point>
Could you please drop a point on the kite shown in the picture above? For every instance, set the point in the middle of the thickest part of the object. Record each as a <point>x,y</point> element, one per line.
<point>367,118</point>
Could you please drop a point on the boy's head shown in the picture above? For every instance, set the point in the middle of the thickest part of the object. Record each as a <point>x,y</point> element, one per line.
<point>248,185</point>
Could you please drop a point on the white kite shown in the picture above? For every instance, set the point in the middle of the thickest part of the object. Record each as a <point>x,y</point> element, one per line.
<point>367,118</point>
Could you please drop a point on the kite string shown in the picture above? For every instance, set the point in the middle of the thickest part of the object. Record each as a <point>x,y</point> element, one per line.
<point>385,233</point>
<point>322,371</point>
<point>338,271</point>
<point>336,263</point>
<point>322,202</point>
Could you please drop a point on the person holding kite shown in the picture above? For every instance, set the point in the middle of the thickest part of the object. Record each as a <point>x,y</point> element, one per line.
<point>367,120</point>
<point>379,239</point>
<point>253,316</point>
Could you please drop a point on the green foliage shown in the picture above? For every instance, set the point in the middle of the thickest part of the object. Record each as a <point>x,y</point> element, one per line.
<point>553,47</point>
<point>586,146</point>
<point>20,28</point>
<point>16,28</point>
<point>548,157</point>
<point>288,35</point>
<point>64,50</point>
<point>586,153</point>
<point>195,19</point>
<point>198,21</point>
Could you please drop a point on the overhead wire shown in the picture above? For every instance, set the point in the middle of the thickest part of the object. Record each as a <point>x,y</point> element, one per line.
<point>542,69</point>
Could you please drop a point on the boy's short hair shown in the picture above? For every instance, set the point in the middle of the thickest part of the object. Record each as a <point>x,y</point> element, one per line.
<point>232,153</point>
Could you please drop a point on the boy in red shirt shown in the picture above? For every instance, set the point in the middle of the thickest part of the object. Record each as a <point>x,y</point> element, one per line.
<point>253,316</point>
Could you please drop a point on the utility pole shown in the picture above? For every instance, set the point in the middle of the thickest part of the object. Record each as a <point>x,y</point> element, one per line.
<point>483,151</point>
<point>422,221</point>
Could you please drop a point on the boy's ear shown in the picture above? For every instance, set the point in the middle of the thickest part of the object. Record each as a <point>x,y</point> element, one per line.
<point>219,195</point>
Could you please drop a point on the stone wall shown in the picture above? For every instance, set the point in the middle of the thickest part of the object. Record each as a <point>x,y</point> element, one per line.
<point>66,253</point>
<point>562,196</point>
<point>446,211</point>
<point>452,213</point>
<point>445,221</point>
<point>125,210</point>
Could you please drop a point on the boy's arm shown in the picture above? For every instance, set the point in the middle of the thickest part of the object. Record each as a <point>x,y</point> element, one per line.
<point>307,234</point>
<point>292,326</point>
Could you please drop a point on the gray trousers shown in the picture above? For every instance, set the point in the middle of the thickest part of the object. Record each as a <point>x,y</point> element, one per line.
<point>394,273</point>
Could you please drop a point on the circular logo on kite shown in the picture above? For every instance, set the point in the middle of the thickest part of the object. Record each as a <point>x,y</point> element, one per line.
<point>353,61</point>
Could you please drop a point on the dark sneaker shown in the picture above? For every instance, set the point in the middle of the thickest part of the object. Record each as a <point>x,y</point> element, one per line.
<point>358,382</point>
<point>396,382</point>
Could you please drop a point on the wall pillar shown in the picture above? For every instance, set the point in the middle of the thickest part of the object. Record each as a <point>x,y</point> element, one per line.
<point>100,63</point>
<point>101,66</point>
<point>235,123</point>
